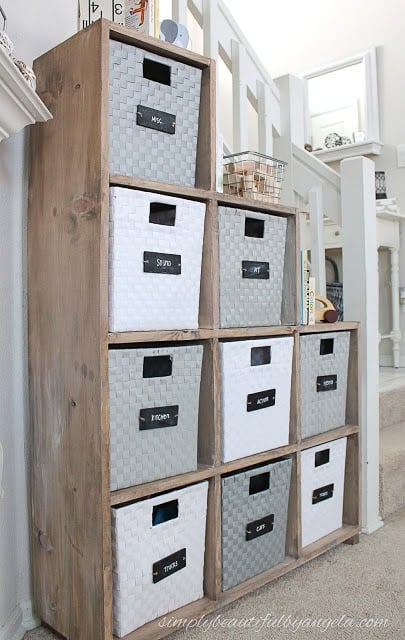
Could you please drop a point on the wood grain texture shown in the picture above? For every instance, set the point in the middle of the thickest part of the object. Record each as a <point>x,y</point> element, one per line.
<point>289,306</point>
<point>207,428</point>
<point>148,489</point>
<point>71,548</point>
<point>209,290</point>
<point>351,496</point>
<point>293,520</point>
<point>205,176</point>
<point>328,436</point>
<point>328,326</point>
<point>213,547</point>
<point>257,458</point>
<point>353,380</point>
<point>160,47</point>
<point>143,184</point>
<point>295,406</point>
<point>253,205</point>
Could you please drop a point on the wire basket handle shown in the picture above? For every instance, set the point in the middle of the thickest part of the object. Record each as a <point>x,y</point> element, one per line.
<point>4,17</point>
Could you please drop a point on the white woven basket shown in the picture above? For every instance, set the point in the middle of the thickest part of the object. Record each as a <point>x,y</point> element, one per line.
<point>322,486</point>
<point>255,399</point>
<point>140,298</point>
<point>139,595</point>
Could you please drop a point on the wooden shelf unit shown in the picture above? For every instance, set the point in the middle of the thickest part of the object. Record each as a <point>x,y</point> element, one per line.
<point>69,342</point>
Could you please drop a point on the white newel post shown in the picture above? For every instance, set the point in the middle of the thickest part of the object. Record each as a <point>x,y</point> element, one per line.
<point>292,129</point>
<point>360,294</point>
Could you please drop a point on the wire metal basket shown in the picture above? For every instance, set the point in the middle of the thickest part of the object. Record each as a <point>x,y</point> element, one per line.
<point>253,175</point>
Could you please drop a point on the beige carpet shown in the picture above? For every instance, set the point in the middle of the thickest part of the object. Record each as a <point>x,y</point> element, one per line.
<point>350,592</point>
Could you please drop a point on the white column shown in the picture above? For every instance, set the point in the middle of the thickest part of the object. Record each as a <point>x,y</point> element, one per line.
<point>239,82</point>
<point>396,330</point>
<point>291,130</point>
<point>264,116</point>
<point>317,244</point>
<point>179,11</point>
<point>360,293</point>
<point>210,28</point>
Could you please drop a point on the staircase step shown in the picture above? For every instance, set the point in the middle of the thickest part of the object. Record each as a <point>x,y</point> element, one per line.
<point>392,469</point>
<point>392,407</point>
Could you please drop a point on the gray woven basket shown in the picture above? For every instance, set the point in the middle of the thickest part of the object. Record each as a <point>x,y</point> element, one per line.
<point>154,111</point>
<point>153,420</point>
<point>251,267</point>
<point>254,521</point>
<point>324,361</point>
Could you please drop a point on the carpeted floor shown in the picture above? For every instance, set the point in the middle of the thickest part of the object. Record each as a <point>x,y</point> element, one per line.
<point>355,592</point>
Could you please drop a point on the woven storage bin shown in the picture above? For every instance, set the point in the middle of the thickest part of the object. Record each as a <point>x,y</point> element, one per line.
<point>157,556</point>
<point>154,111</point>
<point>255,395</point>
<point>322,486</point>
<point>254,521</point>
<point>324,361</point>
<point>251,267</point>
<point>154,261</point>
<point>153,420</point>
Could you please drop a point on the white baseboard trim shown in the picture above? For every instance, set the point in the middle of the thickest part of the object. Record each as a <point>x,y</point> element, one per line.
<point>373,526</point>
<point>21,620</point>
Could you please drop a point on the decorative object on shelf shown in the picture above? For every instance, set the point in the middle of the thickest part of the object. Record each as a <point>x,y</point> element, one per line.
<point>253,175</point>
<point>327,312</point>
<point>140,16</point>
<point>26,72</point>
<point>333,140</point>
<point>171,31</point>
<point>380,186</point>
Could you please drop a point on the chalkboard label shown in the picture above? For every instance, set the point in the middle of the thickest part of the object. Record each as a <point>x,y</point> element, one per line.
<point>323,493</point>
<point>255,270</point>
<point>153,119</point>
<point>169,565</point>
<point>260,527</point>
<point>168,263</point>
<point>158,417</point>
<point>261,400</point>
<point>326,383</point>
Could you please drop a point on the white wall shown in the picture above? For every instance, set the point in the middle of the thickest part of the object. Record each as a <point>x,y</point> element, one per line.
<point>295,36</point>
<point>34,27</point>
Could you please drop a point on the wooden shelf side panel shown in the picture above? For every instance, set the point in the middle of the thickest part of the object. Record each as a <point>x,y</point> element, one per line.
<point>72,579</point>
